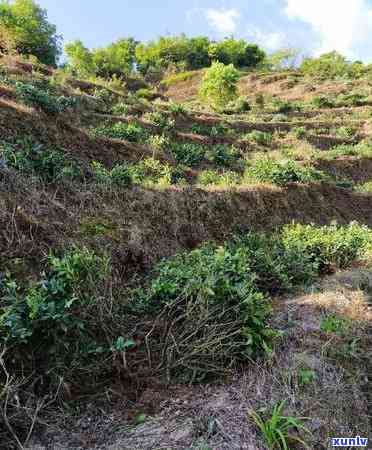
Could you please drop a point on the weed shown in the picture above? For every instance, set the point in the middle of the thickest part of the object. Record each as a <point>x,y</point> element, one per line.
<point>334,324</point>
<point>278,429</point>
<point>130,132</point>
<point>281,173</point>
<point>306,376</point>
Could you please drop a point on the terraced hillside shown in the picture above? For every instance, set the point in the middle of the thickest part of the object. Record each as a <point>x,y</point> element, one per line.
<point>112,340</point>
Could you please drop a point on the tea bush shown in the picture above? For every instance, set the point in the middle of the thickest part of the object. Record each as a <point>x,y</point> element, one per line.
<point>188,154</point>
<point>151,171</point>
<point>222,155</point>
<point>160,120</point>
<point>266,170</point>
<point>119,175</point>
<point>43,99</point>
<point>32,158</point>
<point>259,137</point>
<point>44,314</point>
<point>329,246</point>
<point>126,131</point>
<point>120,109</point>
<point>214,178</point>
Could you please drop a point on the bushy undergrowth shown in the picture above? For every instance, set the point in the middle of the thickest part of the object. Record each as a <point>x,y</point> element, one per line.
<point>219,295</point>
<point>32,158</point>
<point>266,170</point>
<point>216,130</point>
<point>214,178</point>
<point>160,120</point>
<point>259,137</point>
<point>361,150</point>
<point>188,154</point>
<point>43,98</point>
<point>126,131</point>
<point>146,172</point>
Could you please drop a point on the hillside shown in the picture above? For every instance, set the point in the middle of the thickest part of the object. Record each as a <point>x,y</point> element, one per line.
<point>132,219</point>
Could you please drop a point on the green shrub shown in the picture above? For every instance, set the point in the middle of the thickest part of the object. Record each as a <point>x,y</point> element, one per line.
<point>120,109</point>
<point>329,246</point>
<point>284,106</point>
<point>299,132</point>
<point>44,314</point>
<point>159,142</point>
<point>151,171</point>
<point>160,120</point>
<point>32,158</point>
<point>126,131</point>
<point>322,101</point>
<point>119,175</point>
<point>222,155</point>
<point>238,106</point>
<point>268,171</point>
<point>146,93</point>
<point>345,132</point>
<point>216,130</point>
<point>259,137</point>
<point>214,293</point>
<point>352,99</point>
<point>43,99</point>
<point>188,154</point>
<point>219,85</point>
<point>214,178</point>
<point>177,109</point>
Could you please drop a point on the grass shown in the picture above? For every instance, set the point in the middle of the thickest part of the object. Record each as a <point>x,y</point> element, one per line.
<point>278,429</point>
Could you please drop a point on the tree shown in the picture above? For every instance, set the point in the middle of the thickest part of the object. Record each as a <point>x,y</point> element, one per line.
<point>117,59</point>
<point>327,66</point>
<point>24,27</point>
<point>236,52</point>
<point>219,85</point>
<point>80,59</point>
<point>285,58</point>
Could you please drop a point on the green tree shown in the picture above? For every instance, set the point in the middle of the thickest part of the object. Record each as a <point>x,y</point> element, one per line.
<point>327,66</point>
<point>236,52</point>
<point>24,27</point>
<point>285,58</point>
<point>116,59</point>
<point>80,59</point>
<point>219,85</point>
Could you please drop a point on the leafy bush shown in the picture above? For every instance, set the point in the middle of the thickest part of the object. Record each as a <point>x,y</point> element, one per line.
<point>329,246</point>
<point>238,106</point>
<point>44,314</point>
<point>214,178</point>
<point>216,130</point>
<point>32,158</point>
<point>284,106</point>
<point>151,171</point>
<point>222,155</point>
<point>159,142</point>
<point>120,109</point>
<point>323,101</point>
<point>345,132</point>
<point>160,120</point>
<point>299,132</point>
<point>328,66</point>
<point>282,173</point>
<point>119,175</point>
<point>219,85</point>
<point>177,108</point>
<point>148,94</point>
<point>34,96</point>
<point>259,137</point>
<point>188,154</point>
<point>126,131</point>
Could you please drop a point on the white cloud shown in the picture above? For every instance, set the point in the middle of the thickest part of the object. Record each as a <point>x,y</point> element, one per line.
<point>223,20</point>
<point>270,41</point>
<point>342,25</point>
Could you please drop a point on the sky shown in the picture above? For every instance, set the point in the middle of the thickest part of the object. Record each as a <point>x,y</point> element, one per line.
<point>313,26</point>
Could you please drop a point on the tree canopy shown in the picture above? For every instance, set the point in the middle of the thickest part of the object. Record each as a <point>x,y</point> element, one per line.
<point>24,27</point>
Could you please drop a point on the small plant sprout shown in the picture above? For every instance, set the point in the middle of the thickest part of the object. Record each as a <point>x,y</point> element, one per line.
<point>278,429</point>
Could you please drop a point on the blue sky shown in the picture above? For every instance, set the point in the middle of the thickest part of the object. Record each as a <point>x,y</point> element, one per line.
<point>314,26</point>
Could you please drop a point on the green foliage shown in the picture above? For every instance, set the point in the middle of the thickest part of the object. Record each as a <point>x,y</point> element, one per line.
<point>284,106</point>
<point>120,109</point>
<point>259,137</point>
<point>160,120</point>
<point>236,52</point>
<point>44,314</point>
<point>334,324</point>
<point>329,246</point>
<point>345,132</point>
<point>306,376</point>
<point>159,142</point>
<point>178,109</point>
<point>330,66</point>
<point>44,99</point>
<point>222,155</point>
<point>214,178</point>
<point>146,93</point>
<point>285,58</point>
<point>277,429</point>
<point>238,106</point>
<point>28,31</point>
<point>188,154</point>
<point>323,101</point>
<point>299,132</point>
<point>217,286</point>
<point>366,187</point>
<point>115,60</point>
<point>126,131</point>
<point>219,85</point>
<point>216,130</point>
<point>119,175</point>
<point>266,170</point>
<point>32,158</point>
<point>362,150</point>
<point>151,171</point>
